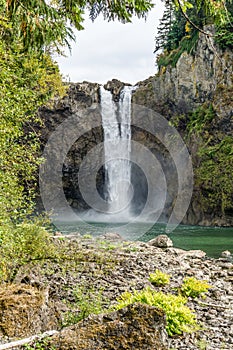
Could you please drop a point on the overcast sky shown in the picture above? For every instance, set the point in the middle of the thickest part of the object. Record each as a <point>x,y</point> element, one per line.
<point>106,50</point>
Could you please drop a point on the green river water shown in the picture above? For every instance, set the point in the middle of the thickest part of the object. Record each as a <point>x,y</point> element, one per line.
<point>212,240</point>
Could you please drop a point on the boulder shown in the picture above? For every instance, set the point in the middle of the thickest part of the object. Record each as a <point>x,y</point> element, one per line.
<point>24,311</point>
<point>226,254</point>
<point>134,327</point>
<point>161,241</point>
<point>112,236</point>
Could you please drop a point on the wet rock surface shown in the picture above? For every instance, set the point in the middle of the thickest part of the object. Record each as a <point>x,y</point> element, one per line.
<point>114,266</point>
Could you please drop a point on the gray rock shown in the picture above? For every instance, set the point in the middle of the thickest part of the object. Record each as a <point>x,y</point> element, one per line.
<point>226,254</point>
<point>112,236</point>
<point>161,241</point>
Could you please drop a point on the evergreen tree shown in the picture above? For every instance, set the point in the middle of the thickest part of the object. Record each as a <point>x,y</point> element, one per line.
<point>171,29</point>
<point>181,23</point>
<point>36,24</point>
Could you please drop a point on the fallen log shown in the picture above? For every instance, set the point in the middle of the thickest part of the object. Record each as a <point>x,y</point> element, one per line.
<point>28,340</point>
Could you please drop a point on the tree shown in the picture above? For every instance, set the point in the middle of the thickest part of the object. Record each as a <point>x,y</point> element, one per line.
<point>171,28</point>
<point>37,24</point>
<point>183,21</point>
<point>27,82</point>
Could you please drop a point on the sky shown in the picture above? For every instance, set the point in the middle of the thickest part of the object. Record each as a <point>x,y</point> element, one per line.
<point>106,50</point>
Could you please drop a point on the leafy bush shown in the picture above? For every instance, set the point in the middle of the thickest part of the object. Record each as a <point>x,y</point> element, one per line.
<point>200,118</point>
<point>224,36</point>
<point>159,278</point>
<point>179,317</point>
<point>194,288</point>
<point>21,244</point>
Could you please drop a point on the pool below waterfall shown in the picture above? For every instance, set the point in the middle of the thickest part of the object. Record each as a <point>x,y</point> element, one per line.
<point>212,240</point>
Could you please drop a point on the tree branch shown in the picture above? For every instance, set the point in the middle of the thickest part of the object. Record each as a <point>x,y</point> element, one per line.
<point>28,340</point>
<point>191,22</point>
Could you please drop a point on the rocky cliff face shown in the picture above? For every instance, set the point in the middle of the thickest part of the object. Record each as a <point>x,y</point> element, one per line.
<point>204,76</point>
<point>197,80</point>
<point>81,101</point>
<point>82,105</point>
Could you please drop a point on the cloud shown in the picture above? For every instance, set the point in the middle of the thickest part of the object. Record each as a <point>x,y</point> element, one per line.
<point>107,50</point>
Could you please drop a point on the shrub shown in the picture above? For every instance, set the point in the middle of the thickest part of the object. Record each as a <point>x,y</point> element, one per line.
<point>179,317</point>
<point>20,244</point>
<point>159,278</point>
<point>86,302</point>
<point>194,288</point>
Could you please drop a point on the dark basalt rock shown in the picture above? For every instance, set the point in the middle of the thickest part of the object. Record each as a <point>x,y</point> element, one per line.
<point>115,86</point>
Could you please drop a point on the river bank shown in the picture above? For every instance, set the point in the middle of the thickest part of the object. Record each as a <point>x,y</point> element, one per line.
<point>91,273</point>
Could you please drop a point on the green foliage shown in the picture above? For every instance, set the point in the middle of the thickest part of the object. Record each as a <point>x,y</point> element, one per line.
<point>159,278</point>
<point>179,317</point>
<point>213,158</point>
<point>224,32</point>
<point>177,35</point>
<point>215,175</point>
<point>224,36</point>
<point>42,344</point>
<point>40,25</point>
<point>200,119</point>
<point>194,288</point>
<point>181,23</point>
<point>26,83</point>
<point>187,44</point>
<point>202,344</point>
<point>171,29</point>
<point>86,302</point>
<point>21,244</point>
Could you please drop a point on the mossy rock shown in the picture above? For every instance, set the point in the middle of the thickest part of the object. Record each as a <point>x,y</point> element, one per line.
<point>134,327</point>
<point>23,311</point>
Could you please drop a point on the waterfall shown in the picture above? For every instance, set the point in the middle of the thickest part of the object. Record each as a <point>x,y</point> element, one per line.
<point>117,144</point>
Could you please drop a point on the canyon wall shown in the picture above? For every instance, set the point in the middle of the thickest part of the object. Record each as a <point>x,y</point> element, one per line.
<point>197,81</point>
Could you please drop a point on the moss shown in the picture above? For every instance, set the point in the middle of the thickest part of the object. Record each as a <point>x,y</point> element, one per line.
<point>20,306</point>
<point>134,327</point>
<point>212,152</point>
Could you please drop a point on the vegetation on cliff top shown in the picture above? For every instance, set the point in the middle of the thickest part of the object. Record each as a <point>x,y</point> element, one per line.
<point>181,24</point>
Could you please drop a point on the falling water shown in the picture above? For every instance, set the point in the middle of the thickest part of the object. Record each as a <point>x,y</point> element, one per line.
<point>117,140</point>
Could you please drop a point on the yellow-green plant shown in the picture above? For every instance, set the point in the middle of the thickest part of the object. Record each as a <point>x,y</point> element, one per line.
<point>194,288</point>
<point>159,278</point>
<point>178,316</point>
